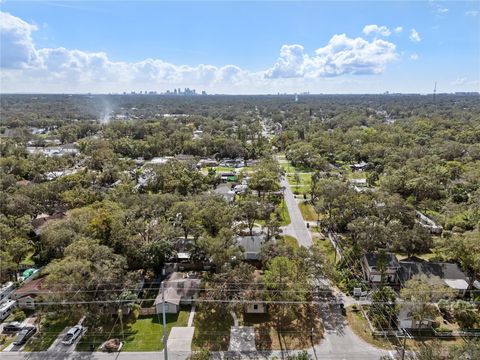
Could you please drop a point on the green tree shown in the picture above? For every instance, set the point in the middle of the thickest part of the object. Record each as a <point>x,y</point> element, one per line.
<point>421,293</point>
<point>465,314</point>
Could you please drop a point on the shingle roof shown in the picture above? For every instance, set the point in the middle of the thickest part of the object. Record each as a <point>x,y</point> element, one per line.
<point>178,287</point>
<point>450,273</point>
<point>372,259</point>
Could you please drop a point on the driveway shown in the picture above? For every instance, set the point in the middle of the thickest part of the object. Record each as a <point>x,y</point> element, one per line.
<point>180,339</point>
<point>58,347</point>
<point>297,227</point>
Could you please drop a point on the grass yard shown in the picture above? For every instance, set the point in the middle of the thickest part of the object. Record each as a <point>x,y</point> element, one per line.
<point>291,241</point>
<point>360,327</point>
<point>146,333</point>
<point>143,334</point>
<point>300,190</point>
<point>298,335</point>
<point>356,175</point>
<point>284,215</point>
<point>308,211</point>
<point>305,179</point>
<point>327,249</point>
<point>212,329</point>
<point>5,340</point>
<point>43,339</point>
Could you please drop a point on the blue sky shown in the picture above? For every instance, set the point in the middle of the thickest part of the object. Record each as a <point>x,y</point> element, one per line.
<point>241,47</point>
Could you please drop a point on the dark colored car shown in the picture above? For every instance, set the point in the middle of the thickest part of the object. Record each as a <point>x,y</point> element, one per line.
<point>12,327</point>
<point>24,335</point>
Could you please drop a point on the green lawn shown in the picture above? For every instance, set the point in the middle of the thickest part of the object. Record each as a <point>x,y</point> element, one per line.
<point>308,211</point>
<point>212,329</point>
<point>284,215</point>
<point>296,335</point>
<point>327,249</point>
<point>300,190</point>
<point>143,334</point>
<point>356,175</point>
<point>42,340</point>
<point>291,241</point>
<point>146,333</point>
<point>305,179</point>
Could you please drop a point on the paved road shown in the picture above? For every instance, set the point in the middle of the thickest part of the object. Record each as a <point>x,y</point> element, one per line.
<point>297,227</point>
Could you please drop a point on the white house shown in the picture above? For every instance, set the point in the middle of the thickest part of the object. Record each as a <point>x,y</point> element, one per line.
<point>407,321</point>
<point>179,289</point>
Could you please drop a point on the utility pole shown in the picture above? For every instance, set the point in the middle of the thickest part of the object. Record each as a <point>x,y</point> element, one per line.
<point>165,351</point>
<point>404,343</point>
<point>120,317</point>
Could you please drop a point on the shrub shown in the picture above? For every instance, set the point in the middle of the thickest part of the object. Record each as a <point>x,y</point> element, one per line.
<point>19,315</point>
<point>200,355</point>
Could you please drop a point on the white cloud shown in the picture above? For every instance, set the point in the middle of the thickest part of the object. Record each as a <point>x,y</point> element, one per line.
<point>460,81</point>
<point>342,55</point>
<point>375,29</point>
<point>442,10</point>
<point>415,36</point>
<point>16,44</point>
<point>290,63</point>
<point>414,56</point>
<point>473,13</point>
<point>398,29</point>
<point>27,68</point>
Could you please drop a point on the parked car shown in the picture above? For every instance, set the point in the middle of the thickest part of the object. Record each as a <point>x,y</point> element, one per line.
<point>72,335</point>
<point>25,334</point>
<point>12,327</point>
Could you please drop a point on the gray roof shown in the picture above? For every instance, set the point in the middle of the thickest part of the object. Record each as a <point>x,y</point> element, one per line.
<point>178,287</point>
<point>251,245</point>
<point>445,271</point>
<point>372,259</point>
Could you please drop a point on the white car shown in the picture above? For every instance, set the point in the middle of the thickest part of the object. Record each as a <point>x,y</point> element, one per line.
<point>72,335</point>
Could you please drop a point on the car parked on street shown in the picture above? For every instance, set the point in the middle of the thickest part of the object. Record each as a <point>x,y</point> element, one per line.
<point>72,335</point>
<point>12,327</point>
<point>25,334</point>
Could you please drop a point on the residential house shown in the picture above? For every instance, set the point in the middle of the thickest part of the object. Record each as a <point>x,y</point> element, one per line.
<point>449,273</point>
<point>179,289</point>
<point>407,321</point>
<point>428,223</point>
<point>226,191</point>
<point>359,166</point>
<point>41,220</point>
<point>372,271</point>
<point>251,245</point>
<point>28,293</point>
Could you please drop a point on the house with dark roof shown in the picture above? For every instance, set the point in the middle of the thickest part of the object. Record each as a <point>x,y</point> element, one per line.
<point>372,268</point>
<point>29,292</point>
<point>451,274</point>
<point>179,289</point>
